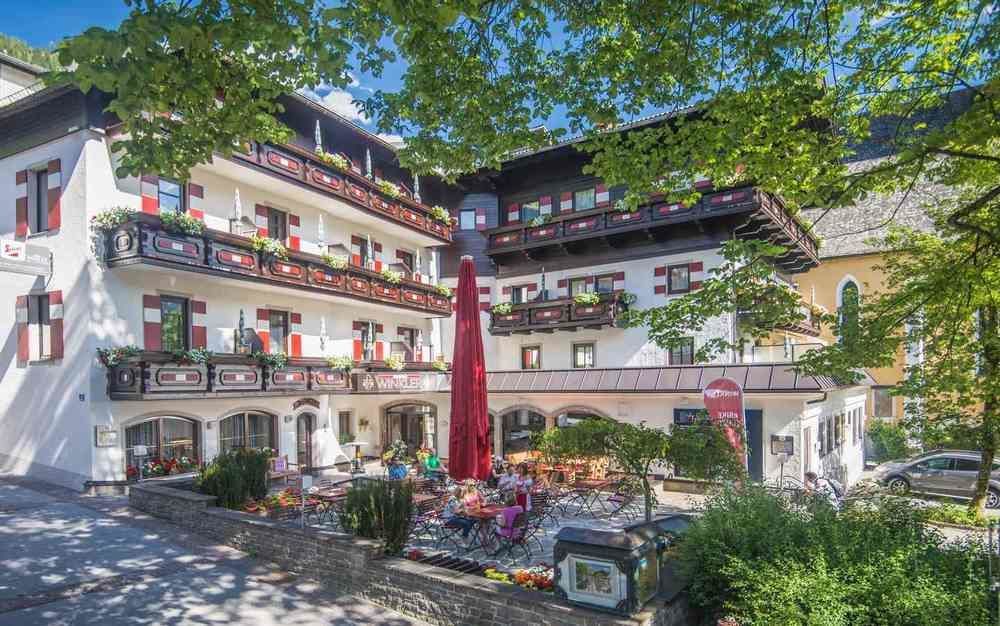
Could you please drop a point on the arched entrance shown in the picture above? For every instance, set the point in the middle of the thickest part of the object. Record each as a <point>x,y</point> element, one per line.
<point>414,423</point>
<point>304,426</point>
<point>518,426</point>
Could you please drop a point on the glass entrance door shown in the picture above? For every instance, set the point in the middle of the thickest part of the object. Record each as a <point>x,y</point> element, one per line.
<point>413,424</point>
<point>303,441</point>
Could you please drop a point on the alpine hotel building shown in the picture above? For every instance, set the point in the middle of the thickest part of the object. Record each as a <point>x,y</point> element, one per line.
<point>361,281</point>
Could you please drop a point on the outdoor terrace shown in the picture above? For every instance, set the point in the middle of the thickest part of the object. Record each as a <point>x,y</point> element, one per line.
<point>761,214</point>
<point>143,240</point>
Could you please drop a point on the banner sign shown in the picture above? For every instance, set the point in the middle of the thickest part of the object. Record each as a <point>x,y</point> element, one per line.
<point>22,258</point>
<point>375,383</point>
<point>724,402</point>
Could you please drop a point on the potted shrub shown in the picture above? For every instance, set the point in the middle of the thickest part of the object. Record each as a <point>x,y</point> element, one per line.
<point>343,363</point>
<point>268,248</point>
<point>443,290</point>
<point>110,219</point>
<point>391,277</point>
<point>112,357</point>
<point>440,214</point>
<point>501,308</point>
<point>336,262</point>
<point>336,160</point>
<point>389,189</point>
<point>587,298</point>
<point>181,223</point>
<point>394,362</point>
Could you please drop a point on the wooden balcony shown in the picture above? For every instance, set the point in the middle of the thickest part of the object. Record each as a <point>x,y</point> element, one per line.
<point>143,240</point>
<point>303,167</point>
<point>155,376</point>
<point>755,214</point>
<point>547,316</point>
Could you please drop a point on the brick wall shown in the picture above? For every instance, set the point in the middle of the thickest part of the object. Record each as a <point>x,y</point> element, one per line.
<point>357,566</point>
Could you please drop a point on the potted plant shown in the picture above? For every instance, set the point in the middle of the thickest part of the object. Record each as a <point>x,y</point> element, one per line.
<point>336,160</point>
<point>181,223</point>
<point>267,247</point>
<point>440,365</point>
<point>194,356</point>
<point>110,219</point>
<point>440,214</point>
<point>389,189</point>
<point>391,277</point>
<point>395,362</point>
<point>112,357</point>
<point>343,363</point>
<point>501,308</point>
<point>587,298</point>
<point>336,262</point>
<point>541,220</point>
<point>273,361</point>
<point>443,290</point>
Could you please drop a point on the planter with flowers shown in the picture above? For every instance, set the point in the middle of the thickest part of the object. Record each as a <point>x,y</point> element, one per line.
<point>395,363</point>
<point>538,578</point>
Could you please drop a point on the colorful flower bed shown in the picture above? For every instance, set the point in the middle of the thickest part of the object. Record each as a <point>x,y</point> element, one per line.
<point>538,578</point>
<point>289,498</point>
<point>163,467</point>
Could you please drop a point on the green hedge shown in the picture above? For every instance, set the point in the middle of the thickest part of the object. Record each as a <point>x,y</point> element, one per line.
<point>757,558</point>
<point>380,509</point>
<point>889,441</point>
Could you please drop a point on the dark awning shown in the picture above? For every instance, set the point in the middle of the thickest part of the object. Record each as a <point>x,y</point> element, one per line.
<point>754,378</point>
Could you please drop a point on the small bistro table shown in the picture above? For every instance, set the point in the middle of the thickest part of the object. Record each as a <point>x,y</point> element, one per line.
<point>485,517</point>
<point>587,493</point>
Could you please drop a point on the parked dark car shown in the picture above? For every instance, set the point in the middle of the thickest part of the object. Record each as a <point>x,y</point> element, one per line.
<point>949,473</point>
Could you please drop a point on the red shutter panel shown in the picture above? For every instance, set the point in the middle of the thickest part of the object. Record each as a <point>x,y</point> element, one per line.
<point>377,255</point>
<point>696,273</point>
<point>359,352</point>
<point>199,332</point>
<point>260,220</point>
<point>513,213</point>
<point>54,193</point>
<point>481,218</point>
<point>294,232</point>
<point>149,188</point>
<point>264,328</point>
<point>618,281</point>
<point>21,204</point>
<point>196,201</point>
<point>566,201</point>
<point>22,328</point>
<point>359,348</point>
<point>295,337</point>
<point>56,324</point>
<point>151,323</point>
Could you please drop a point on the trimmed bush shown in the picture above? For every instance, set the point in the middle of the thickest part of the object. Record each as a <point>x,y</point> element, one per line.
<point>889,441</point>
<point>235,477</point>
<point>380,509</point>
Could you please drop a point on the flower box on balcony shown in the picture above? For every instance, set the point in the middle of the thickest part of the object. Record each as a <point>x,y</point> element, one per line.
<point>288,379</point>
<point>541,233</point>
<point>281,161</point>
<point>549,314</point>
<point>285,270</point>
<point>231,259</point>
<point>506,239</point>
<point>358,286</point>
<point>509,319</point>
<point>328,278</point>
<point>585,311</point>
<point>384,291</point>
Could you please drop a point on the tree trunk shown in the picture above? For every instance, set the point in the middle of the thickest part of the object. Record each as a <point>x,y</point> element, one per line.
<point>647,493</point>
<point>989,366</point>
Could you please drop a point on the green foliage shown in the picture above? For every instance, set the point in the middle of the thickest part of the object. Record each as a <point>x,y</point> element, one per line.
<point>440,214</point>
<point>501,308</point>
<point>336,262</point>
<point>271,360</point>
<point>344,363</point>
<point>380,509</point>
<point>889,441</point>
<point>236,476</point>
<point>587,298</point>
<point>440,365</point>
<point>19,49</point>
<point>336,160</point>
<point>760,559</point>
<point>953,514</point>
<point>541,220</point>
<point>443,290</point>
<point>343,438</point>
<point>183,223</point>
<point>391,277</point>
<point>394,362</point>
<point>703,452</point>
<point>265,246</point>
<point>110,357</point>
<point>198,356</point>
<point>745,283</point>
<point>390,189</point>
<point>112,218</point>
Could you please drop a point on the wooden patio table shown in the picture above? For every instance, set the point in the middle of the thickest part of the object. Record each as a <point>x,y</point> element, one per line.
<point>485,517</point>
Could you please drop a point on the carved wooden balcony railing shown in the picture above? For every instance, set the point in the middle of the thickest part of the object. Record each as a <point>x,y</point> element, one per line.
<point>155,375</point>
<point>547,316</point>
<point>143,239</point>
<point>304,167</point>
<point>766,218</point>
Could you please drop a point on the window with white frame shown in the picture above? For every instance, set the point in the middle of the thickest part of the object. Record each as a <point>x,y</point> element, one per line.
<point>583,355</point>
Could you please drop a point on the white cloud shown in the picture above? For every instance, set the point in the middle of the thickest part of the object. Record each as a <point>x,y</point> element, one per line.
<point>338,101</point>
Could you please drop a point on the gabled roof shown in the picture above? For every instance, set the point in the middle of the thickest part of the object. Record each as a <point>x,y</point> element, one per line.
<point>684,379</point>
<point>24,66</point>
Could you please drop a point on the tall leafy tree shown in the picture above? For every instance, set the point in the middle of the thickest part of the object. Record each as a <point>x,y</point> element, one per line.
<point>774,93</point>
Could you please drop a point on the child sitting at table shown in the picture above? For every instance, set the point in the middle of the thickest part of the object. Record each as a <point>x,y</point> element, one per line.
<point>452,514</point>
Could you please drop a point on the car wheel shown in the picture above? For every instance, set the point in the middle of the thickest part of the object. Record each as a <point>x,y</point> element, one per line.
<point>993,499</point>
<point>898,485</point>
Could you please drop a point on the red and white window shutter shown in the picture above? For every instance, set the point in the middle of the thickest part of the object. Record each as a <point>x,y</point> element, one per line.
<point>151,323</point>
<point>199,331</point>
<point>56,324</point>
<point>513,213</point>
<point>264,328</point>
<point>260,220</point>
<point>481,218</point>
<point>566,201</point>
<point>484,298</point>
<point>377,255</point>
<point>295,336</point>
<point>294,232</point>
<point>602,196</point>
<point>23,351</point>
<point>618,281</point>
<point>196,201</point>
<point>21,209</point>
<point>696,274</point>
<point>562,288</point>
<point>381,343</point>
<point>149,188</point>
<point>545,205</point>
<point>54,193</point>
<point>358,346</point>
<point>660,286</point>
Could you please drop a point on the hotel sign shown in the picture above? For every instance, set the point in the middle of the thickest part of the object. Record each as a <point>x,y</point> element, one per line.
<point>395,382</point>
<point>22,258</point>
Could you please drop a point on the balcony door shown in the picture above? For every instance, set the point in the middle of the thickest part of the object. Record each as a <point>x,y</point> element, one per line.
<point>304,440</point>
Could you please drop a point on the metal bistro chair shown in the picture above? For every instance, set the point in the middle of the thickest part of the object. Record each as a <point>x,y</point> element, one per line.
<point>516,536</point>
<point>543,505</point>
<point>424,516</point>
<point>625,499</point>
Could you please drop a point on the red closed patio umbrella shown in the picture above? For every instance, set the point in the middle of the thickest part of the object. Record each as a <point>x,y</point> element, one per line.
<point>469,434</point>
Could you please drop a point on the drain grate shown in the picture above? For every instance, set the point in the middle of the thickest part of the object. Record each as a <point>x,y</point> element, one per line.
<point>458,564</point>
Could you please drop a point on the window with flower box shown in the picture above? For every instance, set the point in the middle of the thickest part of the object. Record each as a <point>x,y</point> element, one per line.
<point>247,430</point>
<point>171,446</point>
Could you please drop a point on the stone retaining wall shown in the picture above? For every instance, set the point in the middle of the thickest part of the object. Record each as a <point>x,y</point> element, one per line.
<point>357,566</point>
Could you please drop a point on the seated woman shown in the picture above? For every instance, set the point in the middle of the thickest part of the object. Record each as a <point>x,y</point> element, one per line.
<point>523,486</point>
<point>452,514</point>
<point>471,498</point>
<point>505,518</point>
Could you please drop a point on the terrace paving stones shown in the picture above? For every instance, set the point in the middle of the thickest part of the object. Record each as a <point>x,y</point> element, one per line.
<point>69,559</point>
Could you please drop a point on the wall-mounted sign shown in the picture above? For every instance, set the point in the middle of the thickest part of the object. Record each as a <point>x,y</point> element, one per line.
<point>105,436</point>
<point>783,444</point>
<point>305,402</point>
<point>724,401</point>
<point>376,382</point>
<point>23,258</point>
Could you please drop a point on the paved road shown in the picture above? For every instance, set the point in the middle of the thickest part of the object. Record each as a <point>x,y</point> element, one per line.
<point>66,559</point>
